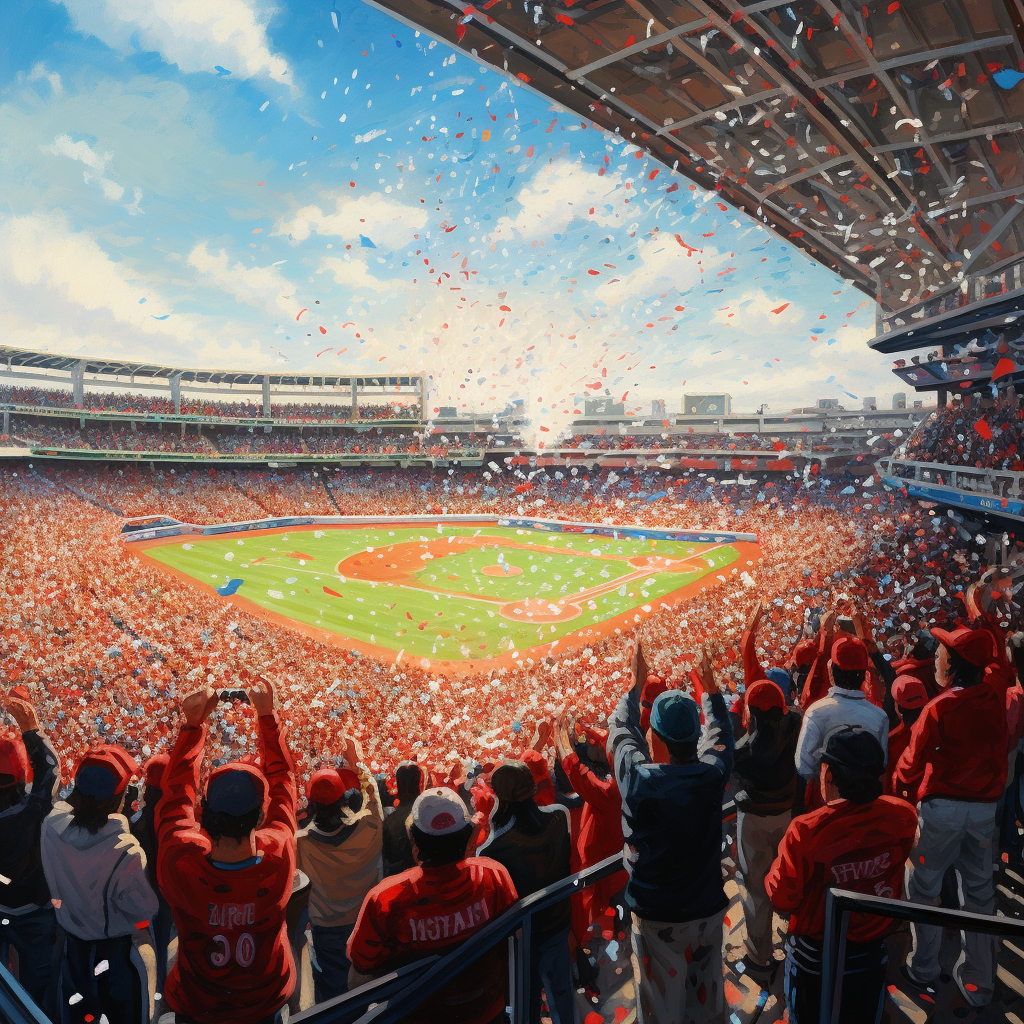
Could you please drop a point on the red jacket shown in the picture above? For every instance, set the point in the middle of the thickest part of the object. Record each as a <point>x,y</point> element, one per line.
<point>899,740</point>
<point>431,910</point>
<point>234,961</point>
<point>862,847</point>
<point>957,748</point>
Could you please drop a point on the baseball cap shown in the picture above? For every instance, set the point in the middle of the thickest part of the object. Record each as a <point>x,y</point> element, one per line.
<point>513,781</point>
<point>329,785</point>
<point>856,749</point>
<point>13,760</point>
<point>235,789</point>
<point>805,652</point>
<point>973,645</point>
<point>781,678</point>
<point>154,770</point>
<point>765,695</point>
<point>675,717</point>
<point>909,692</point>
<point>104,771</point>
<point>439,812</point>
<point>849,654</point>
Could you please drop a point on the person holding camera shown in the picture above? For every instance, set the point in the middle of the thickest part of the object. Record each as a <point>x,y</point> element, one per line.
<point>228,877</point>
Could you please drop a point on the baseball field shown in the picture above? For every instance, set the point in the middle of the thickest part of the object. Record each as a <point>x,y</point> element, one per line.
<point>453,594</point>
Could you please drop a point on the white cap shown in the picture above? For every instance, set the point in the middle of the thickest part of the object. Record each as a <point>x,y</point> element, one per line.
<point>439,812</point>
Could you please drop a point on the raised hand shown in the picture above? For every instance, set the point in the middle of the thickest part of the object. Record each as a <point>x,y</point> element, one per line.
<point>705,673</point>
<point>261,696</point>
<point>198,706</point>
<point>22,712</point>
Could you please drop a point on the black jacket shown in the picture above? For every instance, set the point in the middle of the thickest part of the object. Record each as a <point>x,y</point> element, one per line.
<point>396,850</point>
<point>764,765</point>
<point>20,825</point>
<point>536,852</point>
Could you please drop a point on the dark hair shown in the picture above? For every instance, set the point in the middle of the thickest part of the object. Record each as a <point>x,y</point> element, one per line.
<point>848,678</point>
<point>909,715</point>
<point>800,674</point>
<point>218,825</point>
<point>770,717</point>
<point>11,792</point>
<point>684,753</point>
<point>857,787</point>
<point>90,813</point>
<point>963,672</point>
<point>436,851</point>
<point>327,816</point>
<point>529,817</point>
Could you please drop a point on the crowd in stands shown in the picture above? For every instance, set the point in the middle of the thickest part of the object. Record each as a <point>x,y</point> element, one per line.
<point>110,437</point>
<point>250,408</point>
<point>982,432</point>
<point>686,441</point>
<point>462,793</point>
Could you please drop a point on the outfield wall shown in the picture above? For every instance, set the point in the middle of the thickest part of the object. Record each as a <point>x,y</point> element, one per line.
<point>153,527</point>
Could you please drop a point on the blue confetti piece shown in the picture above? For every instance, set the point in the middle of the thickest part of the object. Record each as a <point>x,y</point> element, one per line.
<point>141,301</point>
<point>366,243</point>
<point>830,379</point>
<point>1008,78</point>
<point>230,587</point>
<point>831,341</point>
<point>164,317</point>
<point>221,72</point>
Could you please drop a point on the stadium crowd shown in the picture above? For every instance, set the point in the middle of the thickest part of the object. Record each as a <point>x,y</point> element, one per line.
<point>688,441</point>
<point>984,433</point>
<point>152,405</point>
<point>823,672</point>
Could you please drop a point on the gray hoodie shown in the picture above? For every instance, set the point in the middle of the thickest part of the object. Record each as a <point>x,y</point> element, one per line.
<point>97,882</point>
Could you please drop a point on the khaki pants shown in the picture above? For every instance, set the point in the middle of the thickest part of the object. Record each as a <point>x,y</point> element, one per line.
<point>757,840</point>
<point>678,971</point>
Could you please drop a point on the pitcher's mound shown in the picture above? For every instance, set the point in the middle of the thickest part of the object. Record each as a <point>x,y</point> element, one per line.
<point>500,570</point>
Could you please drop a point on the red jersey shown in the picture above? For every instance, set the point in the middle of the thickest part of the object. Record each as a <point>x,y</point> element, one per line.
<point>899,740</point>
<point>424,911</point>
<point>957,748</point>
<point>861,847</point>
<point>234,963</point>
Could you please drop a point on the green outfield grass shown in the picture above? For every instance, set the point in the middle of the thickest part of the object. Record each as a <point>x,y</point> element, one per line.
<point>441,607</point>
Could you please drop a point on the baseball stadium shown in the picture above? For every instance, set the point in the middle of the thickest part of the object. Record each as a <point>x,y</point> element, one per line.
<point>509,512</point>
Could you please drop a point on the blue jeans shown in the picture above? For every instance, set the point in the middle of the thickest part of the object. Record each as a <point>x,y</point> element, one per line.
<point>33,935</point>
<point>551,971</point>
<point>329,960</point>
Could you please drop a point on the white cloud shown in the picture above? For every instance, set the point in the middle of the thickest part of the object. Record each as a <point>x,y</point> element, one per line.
<point>559,194</point>
<point>386,223</point>
<point>262,287</point>
<point>197,35</point>
<point>96,163</point>
<point>39,72</point>
<point>354,274</point>
<point>662,265</point>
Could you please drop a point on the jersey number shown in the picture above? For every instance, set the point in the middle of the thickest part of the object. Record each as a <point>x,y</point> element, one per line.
<point>245,950</point>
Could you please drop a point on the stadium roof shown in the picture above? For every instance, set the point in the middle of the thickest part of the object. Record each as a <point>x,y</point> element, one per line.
<point>126,368</point>
<point>883,137</point>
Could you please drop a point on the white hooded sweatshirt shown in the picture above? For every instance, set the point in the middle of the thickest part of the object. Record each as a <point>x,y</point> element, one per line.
<point>97,882</point>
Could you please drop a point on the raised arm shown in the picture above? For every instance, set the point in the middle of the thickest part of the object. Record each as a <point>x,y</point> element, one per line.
<point>275,761</point>
<point>752,670</point>
<point>627,746</point>
<point>42,758</point>
<point>716,745</point>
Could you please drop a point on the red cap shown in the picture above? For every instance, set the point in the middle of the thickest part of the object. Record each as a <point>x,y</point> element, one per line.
<point>765,695</point>
<point>13,760</point>
<point>329,785</point>
<point>805,652</point>
<point>849,653</point>
<point>909,692</point>
<point>973,645</point>
<point>113,759</point>
<point>155,770</point>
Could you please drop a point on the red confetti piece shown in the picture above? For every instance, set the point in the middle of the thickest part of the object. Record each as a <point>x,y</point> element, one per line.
<point>779,309</point>
<point>893,7</point>
<point>323,330</point>
<point>595,272</point>
<point>300,312</point>
<point>1002,368</point>
<point>982,427</point>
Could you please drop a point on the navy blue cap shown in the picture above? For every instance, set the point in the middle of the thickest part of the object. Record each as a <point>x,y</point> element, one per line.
<point>781,678</point>
<point>96,781</point>
<point>675,717</point>
<point>233,791</point>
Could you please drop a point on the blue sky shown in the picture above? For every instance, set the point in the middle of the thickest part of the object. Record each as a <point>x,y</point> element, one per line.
<point>304,186</point>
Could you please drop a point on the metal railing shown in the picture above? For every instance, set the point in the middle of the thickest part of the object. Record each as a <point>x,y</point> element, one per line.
<point>16,1007</point>
<point>841,903</point>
